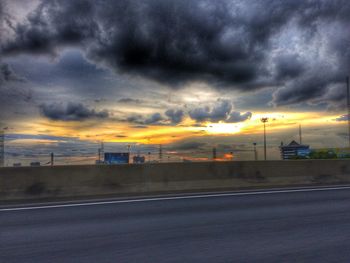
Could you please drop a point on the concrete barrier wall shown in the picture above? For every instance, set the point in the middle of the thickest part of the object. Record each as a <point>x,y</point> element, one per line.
<point>77,181</point>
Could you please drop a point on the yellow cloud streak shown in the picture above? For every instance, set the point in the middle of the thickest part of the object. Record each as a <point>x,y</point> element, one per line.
<point>124,132</point>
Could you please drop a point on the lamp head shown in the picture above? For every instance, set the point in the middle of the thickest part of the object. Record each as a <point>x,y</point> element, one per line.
<point>265,119</point>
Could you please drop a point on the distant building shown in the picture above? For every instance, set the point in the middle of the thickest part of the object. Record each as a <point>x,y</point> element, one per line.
<point>294,150</point>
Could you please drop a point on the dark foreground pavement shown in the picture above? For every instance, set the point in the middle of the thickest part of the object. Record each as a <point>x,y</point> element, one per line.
<point>285,227</point>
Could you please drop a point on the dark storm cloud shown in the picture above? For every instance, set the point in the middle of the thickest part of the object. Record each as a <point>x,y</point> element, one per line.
<point>1,11</point>
<point>342,118</point>
<point>289,66</point>
<point>169,41</point>
<point>154,119</point>
<point>236,116</point>
<point>317,83</point>
<point>221,111</point>
<point>129,100</point>
<point>175,116</point>
<point>71,112</point>
<point>14,94</point>
<point>3,20</point>
<point>225,43</point>
<point>8,75</point>
<point>322,75</point>
<point>170,117</point>
<point>54,23</point>
<point>142,121</point>
<point>134,118</point>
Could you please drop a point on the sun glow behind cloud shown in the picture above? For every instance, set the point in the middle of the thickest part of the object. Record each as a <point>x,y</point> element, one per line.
<point>277,121</point>
<point>111,131</point>
<point>223,128</point>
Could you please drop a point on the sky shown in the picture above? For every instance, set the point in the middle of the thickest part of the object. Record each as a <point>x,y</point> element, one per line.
<point>188,74</point>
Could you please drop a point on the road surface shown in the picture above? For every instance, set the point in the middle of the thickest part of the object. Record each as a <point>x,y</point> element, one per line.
<point>282,226</point>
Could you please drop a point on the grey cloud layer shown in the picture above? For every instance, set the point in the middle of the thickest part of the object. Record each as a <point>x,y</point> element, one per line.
<point>229,44</point>
<point>8,75</point>
<point>143,121</point>
<point>71,112</point>
<point>14,96</point>
<point>222,111</point>
<point>175,116</point>
<point>342,118</point>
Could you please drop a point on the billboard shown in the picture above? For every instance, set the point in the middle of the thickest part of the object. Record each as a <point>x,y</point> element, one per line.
<point>116,158</point>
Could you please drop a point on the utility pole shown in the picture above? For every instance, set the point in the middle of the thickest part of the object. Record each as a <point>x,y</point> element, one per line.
<point>348,105</point>
<point>214,153</point>
<point>264,120</point>
<point>300,140</point>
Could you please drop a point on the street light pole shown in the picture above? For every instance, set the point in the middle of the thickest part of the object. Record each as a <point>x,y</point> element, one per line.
<point>264,120</point>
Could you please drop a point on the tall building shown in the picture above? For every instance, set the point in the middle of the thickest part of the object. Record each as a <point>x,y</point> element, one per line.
<point>294,150</point>
<point>2,149</point>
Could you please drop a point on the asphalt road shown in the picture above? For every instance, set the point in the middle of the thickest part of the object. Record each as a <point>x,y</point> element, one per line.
<point>306,226</point>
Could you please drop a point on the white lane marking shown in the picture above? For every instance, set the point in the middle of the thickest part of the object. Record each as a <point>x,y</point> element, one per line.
<point>176,198</point>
